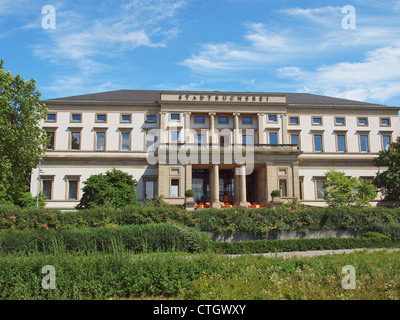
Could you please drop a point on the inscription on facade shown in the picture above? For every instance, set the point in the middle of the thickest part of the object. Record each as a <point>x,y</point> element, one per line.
<point>222,98</point>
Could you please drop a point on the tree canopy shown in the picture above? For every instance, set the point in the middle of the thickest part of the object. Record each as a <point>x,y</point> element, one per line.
<point>22,141</point>
<point>389,180</point>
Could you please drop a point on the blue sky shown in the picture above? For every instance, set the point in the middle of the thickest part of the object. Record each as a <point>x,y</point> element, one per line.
<point>226,45</point>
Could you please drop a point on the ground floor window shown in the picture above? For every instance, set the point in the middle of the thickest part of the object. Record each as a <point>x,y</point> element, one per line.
<point>174,188</point>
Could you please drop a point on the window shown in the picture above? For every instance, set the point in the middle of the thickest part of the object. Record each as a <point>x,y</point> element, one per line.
<point>364,147</point>
<point>151,141</point>
<point>47,188</point>
<point>72,187</point>
<point>149,189</point>
<point>223,119</point>
<point>174,137</point>
<point>385,122</point>
<point>199,139</point>
<point>150,118</point>
<point>51,117</point>
<point>76,117</point>
<point>247,120</point>
<point>75,140</point>
<point>175,116</point>
<point>339,121</point>
<point>273,138</point>
<point>386,139</point>
<point>341,142</point>
<point>247,139</point>
<point>51,135</point>
<point>101,117</point>
<point>100,141</point>
<point>320,194</point>
<point>295,139</point>
<point>125,140</point>
<point>174,188</point>
<point>294,120</point>
<point>318,143</point>
<point>199,119</point>
<point>362,121</point>
<point>272,118</point>
<point>126,118</point>
<point>283,187</point>
<point>317,121</point>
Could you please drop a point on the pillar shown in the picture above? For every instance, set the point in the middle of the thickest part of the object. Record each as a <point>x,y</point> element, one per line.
<point>212,128</point>
<point>236,132</point>
<point>215,189</point>
<point>296,178</point>
<point>236,196</point>
<point>243,201</point>
<point>187,132</point>
<point>260,127</point>
<point>271,179</point>
<point>284,129</point>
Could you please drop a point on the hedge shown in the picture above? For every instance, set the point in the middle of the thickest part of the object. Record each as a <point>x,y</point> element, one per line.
<point>133,238</point>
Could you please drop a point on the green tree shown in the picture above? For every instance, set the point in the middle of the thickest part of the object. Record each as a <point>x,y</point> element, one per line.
<point>341,190</point>
<point>115,188</point>
<point>22,141</point>
<point>388,181</point>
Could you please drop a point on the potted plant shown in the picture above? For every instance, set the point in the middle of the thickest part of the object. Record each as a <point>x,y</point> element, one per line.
<point>276,195</point>
<point>189,202</point>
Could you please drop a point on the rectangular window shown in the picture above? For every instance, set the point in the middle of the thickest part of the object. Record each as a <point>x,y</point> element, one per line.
<point>272,118</point>
<point>51,117</point>
<point>247,140</point>
<point>199,119</point>
<point>51,135</point>
<point>151,141</point>
<point>75,140</point>
<point>101,117</point>
<point>223,119</point>
<point>386,139</point>
<point>273,138</point>
<point>316,120</point>
<point>341,142</point>
<point>76,117</point>
<point>72,189</point>
<point>175,116</point>
<point>126,118</point>
<point>100,141</point>
<point>339,121</point>
<point>362,121</point>
<point>125,141</point>
<point>200,139</point>
<point>283,187</point>
<point>149,189</point>
<point>294,120</point>
<point>174,137</point>
<point>364,147</point>
<point>317,143</point>
<point>385,122</point>
<point>151,118</point>
<point>294,139</point>
<point>47,186</point>
<point>320,194</point>
<point>247,120</point>
<point>174,188</point>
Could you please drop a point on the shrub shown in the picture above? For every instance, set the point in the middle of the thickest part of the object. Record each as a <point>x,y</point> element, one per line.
<point>275,193</point>
<point>189,193</point>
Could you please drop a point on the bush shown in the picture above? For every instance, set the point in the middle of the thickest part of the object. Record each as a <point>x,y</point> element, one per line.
<point>189,193</point>
<point>111,239</point>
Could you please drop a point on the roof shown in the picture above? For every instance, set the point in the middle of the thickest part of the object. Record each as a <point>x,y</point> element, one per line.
<point>154,96</point>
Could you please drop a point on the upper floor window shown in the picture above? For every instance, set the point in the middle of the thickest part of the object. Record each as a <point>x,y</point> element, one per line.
<point>174,137</point>
<point>75,140</point>
<point>125,144</point>
<point>127,118</point>
<point>364,145</point>
<point>247,139</point>
<point>272,118</point>
<point>295,139</point>
<point>339,121</point>
<point>51,117</point>
<point>247,120</point>
<point>51,135</point>
<point>386,140</point>
<point>199,119</point>
<point>317,120</point>
<point>362,121</point>
<point>76,117</point>
<point>150,118</point>
<point>175,116</point>
<point>385,122</point>
<point>318,146</point>
<point>341,142</point>
<point>294,120</point>
<point>101,117</point>
<point>223,119</point>
<point>273,138</point>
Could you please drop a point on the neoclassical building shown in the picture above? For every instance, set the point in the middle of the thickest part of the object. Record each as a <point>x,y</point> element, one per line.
<point>233,147</point>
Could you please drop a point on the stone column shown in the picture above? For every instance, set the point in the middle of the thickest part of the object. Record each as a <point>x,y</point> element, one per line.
<point>243,200</point>
<point>236,186</point>
<point>271,180</point>
<point>236,132</point>
<point>284,128</point>
<point>163,133</point>
<point>188,176</point>
<point>212,127</point>
<point>260,127</point>
<point>215,173</point>
<point>187,131</point>
<point>296,178</point>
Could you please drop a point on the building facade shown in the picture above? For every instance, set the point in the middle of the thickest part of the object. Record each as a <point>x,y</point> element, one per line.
<point>226,146</point>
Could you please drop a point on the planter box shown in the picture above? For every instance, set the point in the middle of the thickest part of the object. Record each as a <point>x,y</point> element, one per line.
<point>283,235</point>
<point>189,203</point>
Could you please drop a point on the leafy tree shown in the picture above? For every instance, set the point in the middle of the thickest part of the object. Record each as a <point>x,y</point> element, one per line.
<point>389,180</point>
<point>115,188</point>
<point>22,141</point>
<point>341,190</point>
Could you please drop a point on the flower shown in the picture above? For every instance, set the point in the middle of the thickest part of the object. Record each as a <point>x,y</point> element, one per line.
<point>45,226</point>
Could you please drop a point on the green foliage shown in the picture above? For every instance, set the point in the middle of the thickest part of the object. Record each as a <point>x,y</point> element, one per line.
<point>344,191</point>
<point>389,180</point>
<point>115,189</point>
<point>22,142</point>
<point>189,193</point>
<point>275,193</point>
